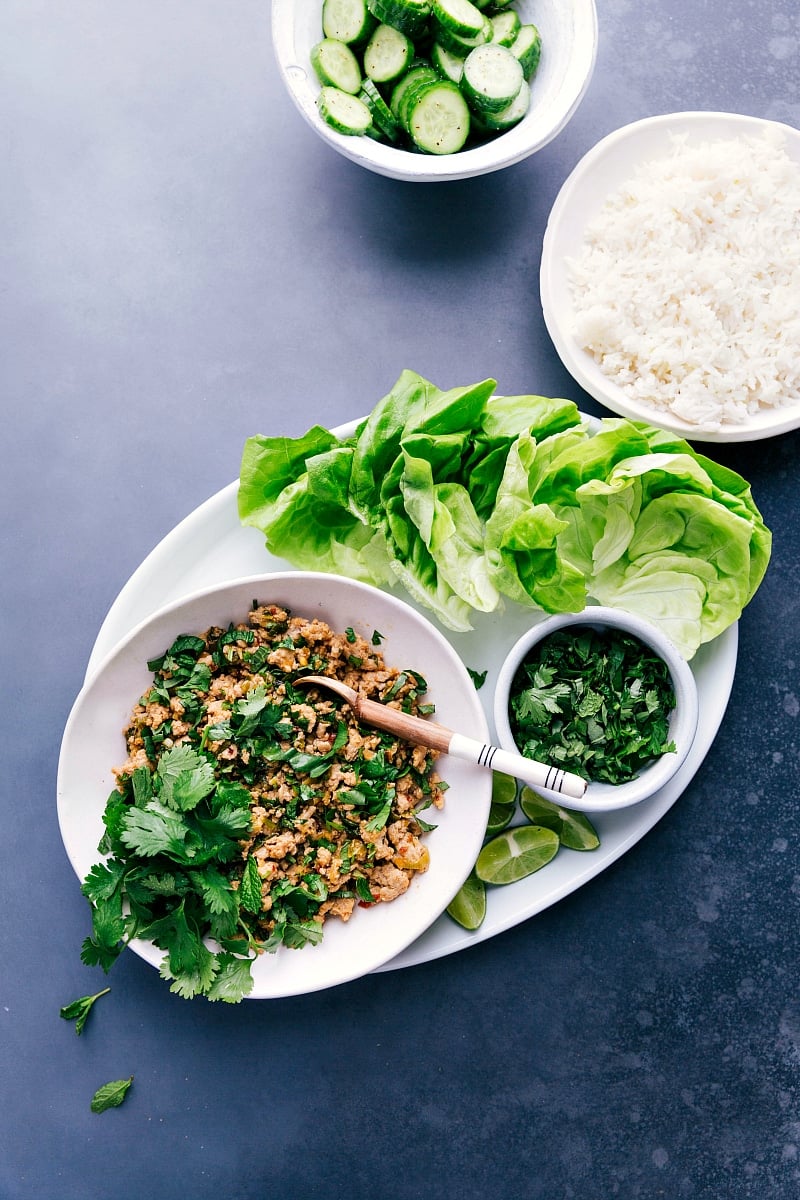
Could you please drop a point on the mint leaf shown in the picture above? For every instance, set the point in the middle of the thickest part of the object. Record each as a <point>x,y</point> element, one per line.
<point>250,887</point>
<point>78,1010</point>
<point>110,1095</point>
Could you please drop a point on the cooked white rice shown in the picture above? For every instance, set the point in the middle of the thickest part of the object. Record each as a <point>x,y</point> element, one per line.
<point>687,287</point>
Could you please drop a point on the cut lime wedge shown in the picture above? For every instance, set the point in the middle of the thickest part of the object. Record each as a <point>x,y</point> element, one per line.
<point>516,853</point>
<point>468,906</point>
<point>574,829</point>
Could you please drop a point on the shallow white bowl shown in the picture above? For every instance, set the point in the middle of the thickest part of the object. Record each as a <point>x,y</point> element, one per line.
<point>606,167</point>
<point>605,797</point>
<point>93,743</point>
<point>569,50</point>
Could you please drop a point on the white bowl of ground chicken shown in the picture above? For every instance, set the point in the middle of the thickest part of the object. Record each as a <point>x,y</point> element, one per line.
<point>377,838</point>
<point>670,275</point>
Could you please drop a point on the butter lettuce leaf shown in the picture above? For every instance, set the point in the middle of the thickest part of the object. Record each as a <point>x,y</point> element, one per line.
<point>469,500</point>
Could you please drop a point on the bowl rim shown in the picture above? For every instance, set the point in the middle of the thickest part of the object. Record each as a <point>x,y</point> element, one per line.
<point>511,147</point>
<point>579,198</point>
<point>605,797</point>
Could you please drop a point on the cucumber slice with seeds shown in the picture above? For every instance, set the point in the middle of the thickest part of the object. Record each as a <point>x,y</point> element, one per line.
<point>527,47</point>
<point>449,66</point>
<point>344,112</point>
<point>439,119</point>
<point>336,65</point>
<point>417,77</point>
<point>387,54</point>
<point>508,117</point>
<point>461,46</point>
<point>348,21</point>
<point>492,77</point>
<point>505,27</point>
<point>460,16</point>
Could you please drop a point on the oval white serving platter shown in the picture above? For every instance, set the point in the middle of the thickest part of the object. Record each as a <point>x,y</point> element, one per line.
<point>211,546</point>
<point>603,169</point>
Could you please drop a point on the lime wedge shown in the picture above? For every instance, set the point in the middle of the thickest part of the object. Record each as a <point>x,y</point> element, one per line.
<point>504,789</point>
<point>499,817</point>
<point>468,906</point>
<point>574,829</point>
<point>504,803</point>
<point>516,853</point>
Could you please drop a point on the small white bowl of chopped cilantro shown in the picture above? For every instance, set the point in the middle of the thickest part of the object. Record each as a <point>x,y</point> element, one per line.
<point>605,694</point>
<point>428,90</point>
<point>244,834</point>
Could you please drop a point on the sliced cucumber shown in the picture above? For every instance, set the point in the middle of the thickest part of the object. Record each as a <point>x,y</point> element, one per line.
<point>449,66</point>
<point>409,16</point>
<point>387,54</point>
<point>424,74</point>
<point>505,27</point>
<point>492,77</point>
<point>382,116</point>
<point>507,117</point>
<point>439,118</point>
<point>336,65</point>
<point>527,47</point>
<point>403,92</point>
<point>344,112</point>
<point>459,45</point>
<point>347,20</point>
<point>459,16</point>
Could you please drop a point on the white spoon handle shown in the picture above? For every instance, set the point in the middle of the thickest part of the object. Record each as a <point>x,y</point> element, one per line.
<point>537,774</point>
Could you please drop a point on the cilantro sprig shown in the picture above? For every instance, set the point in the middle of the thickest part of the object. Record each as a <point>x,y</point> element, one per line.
<point>168,834</point>
<point>595,702</point>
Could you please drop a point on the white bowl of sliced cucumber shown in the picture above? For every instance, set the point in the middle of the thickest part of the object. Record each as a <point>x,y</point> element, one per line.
<point>425,90</point>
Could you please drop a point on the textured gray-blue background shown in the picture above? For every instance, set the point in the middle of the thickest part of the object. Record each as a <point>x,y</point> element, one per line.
<point>183,264</point>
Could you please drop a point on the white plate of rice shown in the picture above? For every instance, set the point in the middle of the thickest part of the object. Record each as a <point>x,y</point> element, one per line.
<point>670,275</point>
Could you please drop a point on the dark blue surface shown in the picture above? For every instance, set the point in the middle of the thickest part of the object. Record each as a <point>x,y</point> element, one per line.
<point>185,264</point>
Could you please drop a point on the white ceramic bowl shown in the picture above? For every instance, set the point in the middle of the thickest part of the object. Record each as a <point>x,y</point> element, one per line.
<point>605,797</point>
<point>93,744</point>
<point>605,168</point>
<point>569,49</point>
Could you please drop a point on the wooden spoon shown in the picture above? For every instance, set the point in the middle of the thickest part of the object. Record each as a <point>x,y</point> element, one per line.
<point>423,732</point>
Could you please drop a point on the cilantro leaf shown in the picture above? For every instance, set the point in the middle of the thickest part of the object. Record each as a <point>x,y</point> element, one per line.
<point>233,981</point>
<point>103,880</point>
<point>109,928</point>
<point>78,1010</point>
<point>155,830</point>
<point>110,1095</point>
<point>184,778</point>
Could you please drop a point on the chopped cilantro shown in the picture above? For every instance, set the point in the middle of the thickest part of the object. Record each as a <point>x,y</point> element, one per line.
<point>594,702</point>
<point>477,677</point>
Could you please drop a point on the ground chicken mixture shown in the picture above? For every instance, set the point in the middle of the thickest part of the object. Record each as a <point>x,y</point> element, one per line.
<point>335,810</point>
